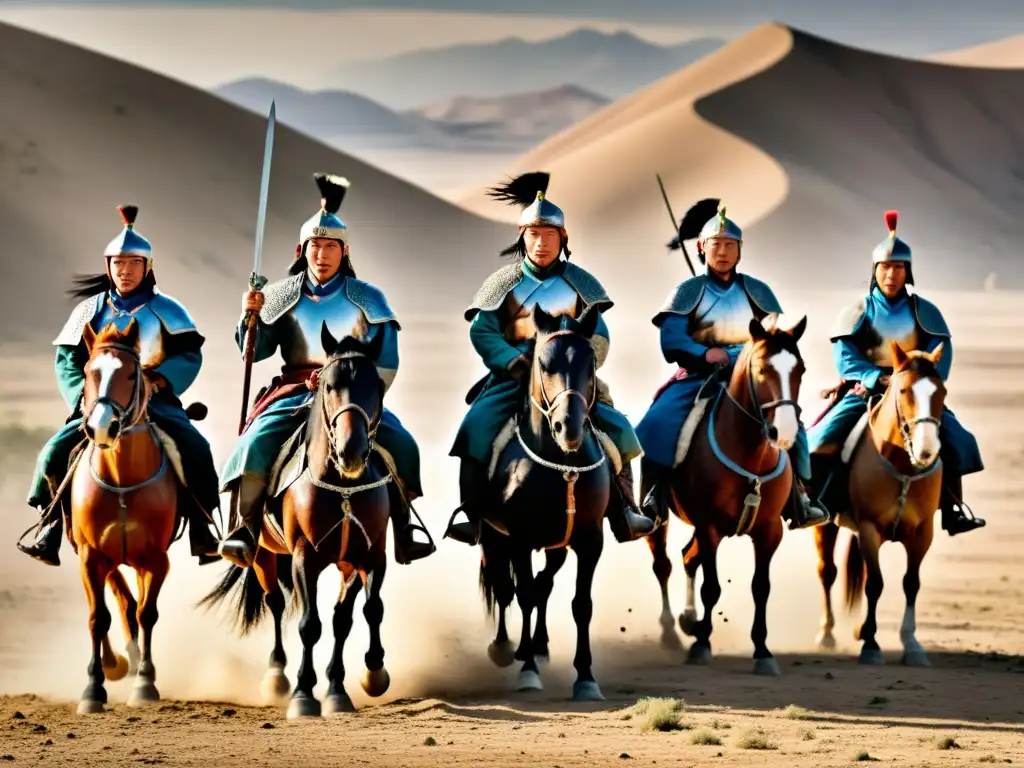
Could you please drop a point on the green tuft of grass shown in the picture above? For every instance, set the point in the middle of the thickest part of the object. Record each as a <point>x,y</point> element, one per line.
<point>755,740</point>
<point>864,757</point>
<point>948,742</point>
<point>793,712</point>
<point>705,738</point>
<point>430,741</point>
<point>808,736</point>
<point>660,714</point>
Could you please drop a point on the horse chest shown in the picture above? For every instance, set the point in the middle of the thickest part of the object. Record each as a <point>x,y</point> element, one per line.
<point>302,326</point>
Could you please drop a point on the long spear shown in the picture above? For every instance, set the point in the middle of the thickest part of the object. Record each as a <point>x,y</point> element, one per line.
<point>256,280</point>
<point>699,214</point>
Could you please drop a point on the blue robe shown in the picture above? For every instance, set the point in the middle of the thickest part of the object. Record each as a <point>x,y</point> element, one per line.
<point>960,453</point>
<point>258,447</point>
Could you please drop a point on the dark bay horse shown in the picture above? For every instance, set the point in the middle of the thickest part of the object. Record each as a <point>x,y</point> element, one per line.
<point>736,480</point>
<point>124,502</point>
<point>550,491</point>
<point>335,513</point>
<point>892,493</point>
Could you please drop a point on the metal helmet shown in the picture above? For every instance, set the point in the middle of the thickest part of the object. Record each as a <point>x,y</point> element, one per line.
<point>718,226</point>
<point>529,192</point>
<point>892,248</point>
<point>130,242</point>
<point>325,222</point>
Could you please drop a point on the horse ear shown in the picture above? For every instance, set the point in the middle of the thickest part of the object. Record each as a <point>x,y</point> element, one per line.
<point>131,334</point>
<point>89,337</point>
<point>327,341</point>
<point>757,331</point>
<point>798,329</point>
<point>899,357</point>
<point>936,354</point>
<point>544,322</point>
<point>588,321</point>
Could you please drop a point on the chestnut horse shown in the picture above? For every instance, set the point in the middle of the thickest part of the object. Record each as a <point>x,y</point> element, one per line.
<point>551,488</point>
<point>124,510</point>
<point>891,494</point>
<point>335,513</point>
<point>736,480</point>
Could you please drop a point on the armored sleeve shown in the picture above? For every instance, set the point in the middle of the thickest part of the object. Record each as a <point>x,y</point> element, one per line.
<point>677,346</point>
<point>387,363</point>
<point>488,341</point>
<point>266,338</point>
<point>852,365</point>
<point>601,341</point>
<point>69,366</point>
<point>182,360</point>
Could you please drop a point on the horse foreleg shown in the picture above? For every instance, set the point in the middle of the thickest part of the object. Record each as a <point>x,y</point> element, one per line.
<point>766,543</point>
<point>94,568</point>
<point>554,559</point>
<point>825,540</point>
<point>691,563</point>
<point>337,700</point>
<point>588,552</point>
<point>275,686</point>
<point>496,571</point>
<point>526,593</point>
<point>306,569</point>
<point>710,592</point>
<point>662,566</point>
<point>376,681</point>
<point>870,542</point>
<point>116,666</point>
<point>152,576</point>
<point>917,547</point>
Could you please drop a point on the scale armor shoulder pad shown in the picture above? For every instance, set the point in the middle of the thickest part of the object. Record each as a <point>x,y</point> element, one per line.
<point>587,286</point>
<point>495,289</point>
<point>280,296</point>
<point>761,295</point>
<point>684,298</point>
<point>371,300</point>
<point>930,318</point>
<point>172,313</point>
<point>848,321</point>
<point>82,314</point>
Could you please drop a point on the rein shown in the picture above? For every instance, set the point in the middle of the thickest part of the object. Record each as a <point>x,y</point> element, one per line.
<point>122,411</point>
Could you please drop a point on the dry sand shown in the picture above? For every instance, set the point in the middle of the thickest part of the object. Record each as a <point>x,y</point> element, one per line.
<point>999,54</point>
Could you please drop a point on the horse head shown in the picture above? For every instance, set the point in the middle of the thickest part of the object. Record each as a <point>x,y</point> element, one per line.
<point>113,396</point>
<point>563,382</point>
<point>918,395</point>
<point>774,370</point>
<point>349,399</point>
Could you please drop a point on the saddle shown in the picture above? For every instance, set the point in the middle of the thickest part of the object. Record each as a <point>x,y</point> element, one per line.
<point>693,419</point>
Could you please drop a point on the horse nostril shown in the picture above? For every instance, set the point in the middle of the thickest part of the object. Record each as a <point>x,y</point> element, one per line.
<point>559,427</point>
<point>115,427</point>
<point>773,433</point>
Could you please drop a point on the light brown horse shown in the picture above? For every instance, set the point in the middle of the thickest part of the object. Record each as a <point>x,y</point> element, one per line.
<point>895,479</point>
<point>124,502</point>
<point>736,480</point>
<point>335,513</point>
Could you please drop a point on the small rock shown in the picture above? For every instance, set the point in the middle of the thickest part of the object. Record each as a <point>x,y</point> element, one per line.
<point>268,726</point>
<point>17,716</point>
<point>725,619</point>
<point>134,719</point>
<point>228,713</point>
<point>622,629</point>
<point>625,756</point>
<point>8,757</point>
<point>48,743</point>
<point>40,728</point>
<point>70,736</point>
<point>829,676</point>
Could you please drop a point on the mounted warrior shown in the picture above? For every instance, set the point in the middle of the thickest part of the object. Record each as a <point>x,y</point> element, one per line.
<point>502,332</point>
<point>322,290</point>
<point>704,325</point>
<point>861,349</point>
<point>170,357</point>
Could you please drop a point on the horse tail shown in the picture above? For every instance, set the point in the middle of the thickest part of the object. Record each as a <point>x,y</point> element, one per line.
<point>242,585</point>
<point>855,573</point>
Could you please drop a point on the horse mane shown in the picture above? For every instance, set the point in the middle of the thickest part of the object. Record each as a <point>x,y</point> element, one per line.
<point>921,365</point>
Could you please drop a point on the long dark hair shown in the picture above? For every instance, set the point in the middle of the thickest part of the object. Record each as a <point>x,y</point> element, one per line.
<point>84,286</point>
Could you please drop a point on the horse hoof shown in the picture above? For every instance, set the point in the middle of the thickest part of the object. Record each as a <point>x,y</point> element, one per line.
<point>542,659</point>
<point>699,654</point>
<point>120,669</point>
<point>586,690</point>
<point>916,659</point>
<point>90,707</point>
<point>275,686</point>
<point>143,694</point>
<point>529,680</point>
<point>872,657</point>
<point>768,667</point>
<point>502,654</point>
<point>688,623</point>
<point>376,682</point>
<point>303,706</point>
<point>826,642</point>
<point>338,703</point>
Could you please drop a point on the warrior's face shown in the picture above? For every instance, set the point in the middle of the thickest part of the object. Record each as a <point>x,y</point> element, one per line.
<point>722,254</point>
<point>543,244</point>
<point>324,257</point>
<point>127,272</point>
<point>891,277</point>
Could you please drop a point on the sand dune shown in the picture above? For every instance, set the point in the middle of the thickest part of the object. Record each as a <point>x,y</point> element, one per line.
<point>808,142</point>
<point>1000,54</point>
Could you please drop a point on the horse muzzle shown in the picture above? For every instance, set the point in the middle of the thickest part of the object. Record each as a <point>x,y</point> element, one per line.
<point>103,426</point>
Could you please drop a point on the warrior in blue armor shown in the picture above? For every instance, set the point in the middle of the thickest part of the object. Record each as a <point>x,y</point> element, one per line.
<point>861,349</point>
<point>170,356</point>
<point>503,334</point>
<point>704,325</point>
<point>322,288</point>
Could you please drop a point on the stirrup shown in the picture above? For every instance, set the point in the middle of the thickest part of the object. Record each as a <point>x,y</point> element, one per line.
<point>461,531</point>
<point>416,550</point>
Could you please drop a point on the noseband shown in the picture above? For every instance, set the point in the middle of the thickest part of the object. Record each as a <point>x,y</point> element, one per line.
<point>330,421</point>
<point>548,405</point>
<point>122,411</point>
<point>905,425</point>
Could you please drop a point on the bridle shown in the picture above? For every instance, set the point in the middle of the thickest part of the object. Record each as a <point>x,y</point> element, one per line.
<point>140,419</point>
<point>767,428</point>
<point>547,406</point>
<point>330,421</point>
<point>905,425</point>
